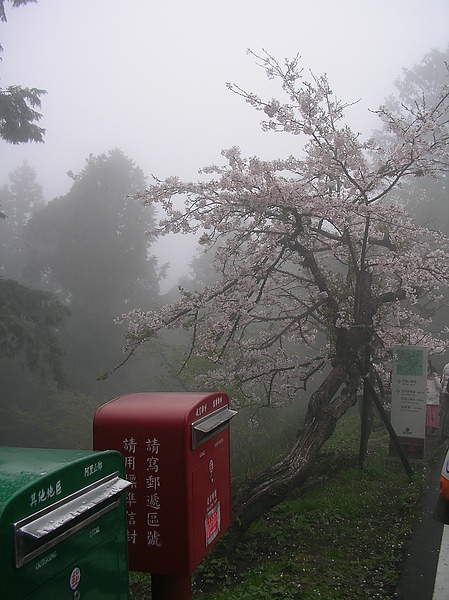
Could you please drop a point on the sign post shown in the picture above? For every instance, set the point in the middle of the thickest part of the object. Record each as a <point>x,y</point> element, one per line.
<point>408,399</point>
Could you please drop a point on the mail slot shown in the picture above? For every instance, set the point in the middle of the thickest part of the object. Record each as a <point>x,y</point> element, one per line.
<point>176,452</point>
<point>62,525</point>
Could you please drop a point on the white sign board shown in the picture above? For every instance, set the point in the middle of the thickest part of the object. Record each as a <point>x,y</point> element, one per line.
<point>408,398</point>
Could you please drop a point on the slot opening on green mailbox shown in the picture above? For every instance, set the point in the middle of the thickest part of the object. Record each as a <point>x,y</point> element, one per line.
<point>62,525</point>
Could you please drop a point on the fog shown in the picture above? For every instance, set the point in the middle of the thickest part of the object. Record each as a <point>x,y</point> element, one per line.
<point>149,77</point>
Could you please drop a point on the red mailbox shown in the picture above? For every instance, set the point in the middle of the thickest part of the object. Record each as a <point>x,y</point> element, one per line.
<point>176,451</point>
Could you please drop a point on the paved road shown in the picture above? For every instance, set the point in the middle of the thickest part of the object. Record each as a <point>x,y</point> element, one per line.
<point>441,588</point>
<point>425,576</point>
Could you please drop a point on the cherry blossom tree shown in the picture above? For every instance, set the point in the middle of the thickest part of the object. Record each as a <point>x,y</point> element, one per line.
<point>314,263</point>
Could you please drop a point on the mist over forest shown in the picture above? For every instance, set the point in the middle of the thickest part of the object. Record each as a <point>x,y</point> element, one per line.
<point>82,238</point>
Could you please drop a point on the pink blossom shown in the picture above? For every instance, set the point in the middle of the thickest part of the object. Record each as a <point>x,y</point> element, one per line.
<point>296,240</point>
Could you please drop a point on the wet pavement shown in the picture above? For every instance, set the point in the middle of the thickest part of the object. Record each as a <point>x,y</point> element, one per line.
<point>420,562</point>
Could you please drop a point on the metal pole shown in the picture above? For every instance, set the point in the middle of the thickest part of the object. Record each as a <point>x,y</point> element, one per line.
<point>171,587</point>
<point>365,428</point>
<point>388,425</point>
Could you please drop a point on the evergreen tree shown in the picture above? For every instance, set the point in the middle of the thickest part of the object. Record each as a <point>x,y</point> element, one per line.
<point>90,247</point>
<point>18,114</point>
<point>29,319</point>
<point>425,197</point>
<point>19,199</point>
<point>29,322</point>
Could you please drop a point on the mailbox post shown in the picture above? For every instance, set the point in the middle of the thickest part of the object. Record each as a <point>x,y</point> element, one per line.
<point>176,452</point>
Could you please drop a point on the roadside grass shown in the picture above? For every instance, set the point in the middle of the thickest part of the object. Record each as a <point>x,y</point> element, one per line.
<point>343,539</point>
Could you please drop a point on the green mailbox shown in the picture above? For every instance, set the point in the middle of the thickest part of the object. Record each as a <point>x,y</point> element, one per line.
<point>62,525</point>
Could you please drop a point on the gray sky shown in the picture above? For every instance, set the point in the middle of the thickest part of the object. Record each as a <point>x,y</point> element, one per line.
<point>148,76</point>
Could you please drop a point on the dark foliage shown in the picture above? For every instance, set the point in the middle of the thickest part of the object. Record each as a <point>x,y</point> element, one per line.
<point>29,321</point>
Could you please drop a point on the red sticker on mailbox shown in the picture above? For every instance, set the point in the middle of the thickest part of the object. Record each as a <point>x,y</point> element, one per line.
<point>75,577</point>
<point>212,524</point>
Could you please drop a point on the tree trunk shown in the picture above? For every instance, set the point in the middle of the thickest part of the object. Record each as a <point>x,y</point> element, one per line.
<point>326,405</point>
<point>366,415</point>
<point>271,486</point>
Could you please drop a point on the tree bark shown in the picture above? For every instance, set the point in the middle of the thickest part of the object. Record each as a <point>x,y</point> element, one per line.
<point>326,405</point>
<point>272,486</point>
